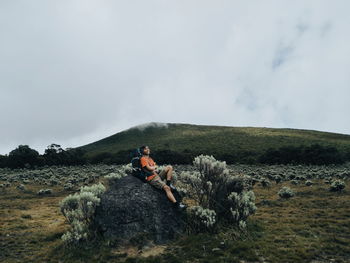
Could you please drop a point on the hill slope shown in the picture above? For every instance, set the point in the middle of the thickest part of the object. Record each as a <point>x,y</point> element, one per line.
<point>220,141</point>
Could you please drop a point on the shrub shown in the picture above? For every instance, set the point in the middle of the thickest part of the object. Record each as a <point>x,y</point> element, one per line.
<point>277,179</point>
<point>96,189</point>
<point>45,191</point>
<point>127,168</point>
<point>265,182</point>
<point>206,180</point>
<point>295,182</point>
<point>285,192</point>
<point>79,211</point>
<point>337,185</point>
<point>26,181</point>
<point>300,177</point>
<point>309,183</point>
<point>215,189</point>
<point>53,181</point>
<point>243,206</point>
<point>68,186</point>
<point>115,175</point>
<point>327,181</point>
<point>200,219</point>
<point>21,187</point>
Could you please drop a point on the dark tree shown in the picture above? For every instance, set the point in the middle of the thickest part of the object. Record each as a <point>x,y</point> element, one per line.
<point>3,161</point>
<point>23,156</point>
<point>313,154</point>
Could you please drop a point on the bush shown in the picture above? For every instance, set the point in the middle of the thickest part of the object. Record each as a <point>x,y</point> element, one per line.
<point>68,186</point>
<point>79,210</point>
<point>21,187</point>
<point>295,182</point>
<point>277,179</point>
<point>26,181</point>
<point>309,183</point>
<point>53,181</point>
<point>327,180</point>
<point>243,206</point>
<point>215,189</point>
<point>285,192</point>
<point>45,192</point>
<point>115,175</point>
<point>337,185</point>
<point>200,219</point>
<point>95,189</point>
<point>265,182</point>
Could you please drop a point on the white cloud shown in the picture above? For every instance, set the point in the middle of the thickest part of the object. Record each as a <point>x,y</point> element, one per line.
<point>72,72</point>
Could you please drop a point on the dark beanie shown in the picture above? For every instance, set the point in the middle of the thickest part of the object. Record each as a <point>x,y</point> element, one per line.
<point>142,148</point>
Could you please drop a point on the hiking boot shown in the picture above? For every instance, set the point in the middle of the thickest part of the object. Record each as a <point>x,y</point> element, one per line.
<point>179,206</point>
<point>182,206</point>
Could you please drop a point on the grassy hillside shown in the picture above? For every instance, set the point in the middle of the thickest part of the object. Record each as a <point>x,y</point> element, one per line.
<point>214,140</point>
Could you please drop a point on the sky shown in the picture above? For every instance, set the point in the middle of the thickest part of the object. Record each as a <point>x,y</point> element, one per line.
<point>76,71</point>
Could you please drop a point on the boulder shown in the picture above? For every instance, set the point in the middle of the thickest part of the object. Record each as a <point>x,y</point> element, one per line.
<point>132,211</point>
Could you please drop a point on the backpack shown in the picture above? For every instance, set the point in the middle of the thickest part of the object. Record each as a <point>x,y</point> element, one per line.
<point>137,170</point>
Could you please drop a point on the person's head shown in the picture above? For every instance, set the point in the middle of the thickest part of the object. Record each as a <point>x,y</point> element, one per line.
<point>144,150</point>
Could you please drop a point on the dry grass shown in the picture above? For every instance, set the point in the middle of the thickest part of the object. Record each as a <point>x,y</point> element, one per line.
<point>31,225</point>
<point>312,226</point>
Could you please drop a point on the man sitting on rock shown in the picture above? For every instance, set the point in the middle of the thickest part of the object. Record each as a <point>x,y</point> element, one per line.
<point>155,179</point>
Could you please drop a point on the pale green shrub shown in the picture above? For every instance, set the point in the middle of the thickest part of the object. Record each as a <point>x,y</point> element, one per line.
<point>295,182</point>
<point>26,181</point>
<point>127,168</point>
<point>337,185</point>
<point>201,219</point>
<point>45,192</point>
<point>308,183</point>
<point>115,175</point>
<point>54,181</point>
<point>68,186</point>
<point>206,181</point>
<point>21,187</point>
<point>327,180</point>
<point>243,205</point>
<point>96,189</point>
<point>285,192</point>
<point>69,203</point>
<point>277,179</point>
<point>78,232</point>
<point>265,182</point>
<point>300,177</point>
<point>79,210</point>
<point>214,188</point>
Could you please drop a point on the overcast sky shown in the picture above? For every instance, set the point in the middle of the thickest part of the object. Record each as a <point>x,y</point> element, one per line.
<point>75,71</point>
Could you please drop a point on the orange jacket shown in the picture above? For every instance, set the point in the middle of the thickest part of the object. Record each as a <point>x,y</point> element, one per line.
<point>148,161</point>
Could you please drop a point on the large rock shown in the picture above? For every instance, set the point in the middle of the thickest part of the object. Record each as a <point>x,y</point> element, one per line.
<point>134,211</point>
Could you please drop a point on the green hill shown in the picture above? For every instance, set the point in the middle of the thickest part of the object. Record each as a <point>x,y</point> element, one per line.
<point>242,144</point>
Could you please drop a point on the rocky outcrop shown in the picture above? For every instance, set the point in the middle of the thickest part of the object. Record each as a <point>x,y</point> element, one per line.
<point>132,211</point>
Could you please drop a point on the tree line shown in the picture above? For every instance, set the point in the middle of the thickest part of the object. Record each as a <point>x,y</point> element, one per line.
<point>25,157</point>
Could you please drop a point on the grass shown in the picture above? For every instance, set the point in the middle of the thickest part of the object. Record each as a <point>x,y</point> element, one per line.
<point>312,226</point>
<point>219,140</point>
<point>304,226</point>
